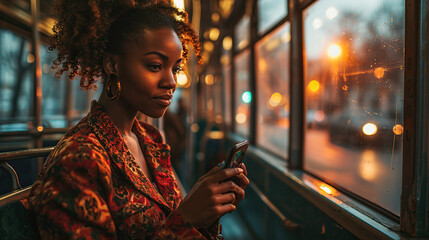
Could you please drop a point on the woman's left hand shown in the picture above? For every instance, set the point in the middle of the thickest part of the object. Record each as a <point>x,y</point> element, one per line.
<point>242,181</point>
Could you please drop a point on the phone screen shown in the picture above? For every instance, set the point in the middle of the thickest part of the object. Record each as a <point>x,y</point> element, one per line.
<point>236,154</point>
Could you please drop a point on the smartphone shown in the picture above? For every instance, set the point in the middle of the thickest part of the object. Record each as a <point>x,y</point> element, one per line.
<point>236,155</point>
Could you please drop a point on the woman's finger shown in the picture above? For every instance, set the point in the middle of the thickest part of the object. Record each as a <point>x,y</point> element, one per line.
<point>241,180</point>
<point>242,166</point>
<point>225,208</point>
<point>228,186</point>
<point>224,174</point>
<point>225,198</point>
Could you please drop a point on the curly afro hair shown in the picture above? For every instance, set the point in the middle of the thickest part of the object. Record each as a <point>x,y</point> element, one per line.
<point>86,29</point>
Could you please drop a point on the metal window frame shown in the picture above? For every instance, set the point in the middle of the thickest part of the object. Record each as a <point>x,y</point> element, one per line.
<point>414,199</point>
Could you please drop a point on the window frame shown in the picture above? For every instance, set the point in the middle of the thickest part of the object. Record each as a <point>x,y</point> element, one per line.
<point>412,219</point>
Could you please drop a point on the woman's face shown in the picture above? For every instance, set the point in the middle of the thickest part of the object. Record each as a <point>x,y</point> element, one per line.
<point>147,71</point>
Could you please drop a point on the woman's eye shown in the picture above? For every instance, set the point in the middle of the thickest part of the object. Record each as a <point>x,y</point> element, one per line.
<point>154,67</point>
<point>177,70</point>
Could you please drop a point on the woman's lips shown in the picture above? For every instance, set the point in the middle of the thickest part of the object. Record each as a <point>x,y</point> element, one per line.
<point>165,102</point>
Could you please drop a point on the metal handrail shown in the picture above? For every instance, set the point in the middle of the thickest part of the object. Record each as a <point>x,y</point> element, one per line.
<point>9,156</point>
<point>14,196</point>
<point>288,224</point>
<point>33,132</point>
<point>12,174</point>
<point>38,152</point>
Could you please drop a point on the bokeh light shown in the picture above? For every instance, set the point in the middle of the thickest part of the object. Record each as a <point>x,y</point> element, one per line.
<point>369,129</point>
<point>334,51</point>
<point>313,86</point>
<point>246,97</point>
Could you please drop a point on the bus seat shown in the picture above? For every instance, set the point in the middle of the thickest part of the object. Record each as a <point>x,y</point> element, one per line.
<point>15,220</point>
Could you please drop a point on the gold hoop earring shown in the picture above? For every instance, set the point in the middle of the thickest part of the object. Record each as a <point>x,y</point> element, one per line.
<point>112,93</point>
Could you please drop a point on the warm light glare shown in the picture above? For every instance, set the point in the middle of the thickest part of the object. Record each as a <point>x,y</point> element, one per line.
<point>273,44</point>
<point>243,44</point>
<point>209,79</point>
<point>262,65</point>
<point>326,189</point>
<point>275,99</point>
<point>206,57</point>
<point>182,79</point>
<point>398,129</point>
<point>179,4</point>
<point>226,7</point>
<point>317,23</point>
<point>331,13</point>
<point>246,97</point>
<point>227,43</point>
<point>369,129</point>
<point>379,72</point>
<point>240,118</point>
<point>195,127</point>
<point>40,128</point>
<point>215,17</point>
<point>214,34</point>
<point>285,37</point>
<point>313,86</point>
<point>368,165</point>
<point>30,58</point>
<point>208,46</point>
<point>334,51</point>
<point>216,135</point>
<point>225,60</point>
<point>319,115</point>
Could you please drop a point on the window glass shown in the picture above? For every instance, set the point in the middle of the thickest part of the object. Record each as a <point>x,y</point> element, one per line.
<point>53,89</point>
<point>226,77</point>
<point>272,82</point>
<point>242,33</point>
<point>16,72</point>
<point>217,91</point>
<point>82,98</point>
<point>269,13</point>
<point>242,93</point>
<point>354,53</point>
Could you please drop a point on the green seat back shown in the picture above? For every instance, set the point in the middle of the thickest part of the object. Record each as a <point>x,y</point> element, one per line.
<point>15,222</point>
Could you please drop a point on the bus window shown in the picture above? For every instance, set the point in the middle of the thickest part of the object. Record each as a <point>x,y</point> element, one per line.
<point>354,58</point>
<point>269,13</point>
<point>16,72</point>
<point>242,33</point>
<point>272,81</point>
<point>242,94</point>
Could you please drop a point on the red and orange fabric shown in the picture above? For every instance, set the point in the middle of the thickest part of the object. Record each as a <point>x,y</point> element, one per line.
<point>92,188</point>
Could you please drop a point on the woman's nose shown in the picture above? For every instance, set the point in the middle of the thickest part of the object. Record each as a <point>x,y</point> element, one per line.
<point>169,81</point>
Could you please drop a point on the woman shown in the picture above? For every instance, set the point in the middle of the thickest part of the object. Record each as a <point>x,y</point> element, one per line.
<point>110,176</point>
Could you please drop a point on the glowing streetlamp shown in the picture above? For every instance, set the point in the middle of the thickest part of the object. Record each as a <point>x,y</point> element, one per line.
<point>314,86</point>
<point>334,51</point>
<point>369,129</point>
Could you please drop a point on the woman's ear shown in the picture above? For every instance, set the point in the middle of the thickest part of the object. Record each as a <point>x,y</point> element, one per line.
<point>110,64</point>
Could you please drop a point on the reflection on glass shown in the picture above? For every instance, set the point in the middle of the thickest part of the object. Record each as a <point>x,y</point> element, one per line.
<point>354,53</point>
<point>16,72</point>
<point>226,84</point>
<point>269,13</point>
<point>242,94</point>
<point>272,81</point>
<point>53,89</point>
<point>242,33</point>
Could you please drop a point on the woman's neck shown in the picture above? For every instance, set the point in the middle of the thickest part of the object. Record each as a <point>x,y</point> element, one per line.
<point>122,114</point>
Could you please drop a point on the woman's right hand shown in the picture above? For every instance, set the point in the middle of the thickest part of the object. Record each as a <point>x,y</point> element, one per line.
<point>211,197</point>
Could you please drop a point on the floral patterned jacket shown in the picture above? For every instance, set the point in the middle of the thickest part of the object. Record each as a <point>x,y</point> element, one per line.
<point>92,188</point>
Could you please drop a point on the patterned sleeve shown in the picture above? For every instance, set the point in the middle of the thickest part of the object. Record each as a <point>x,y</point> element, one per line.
<point>68,198</point>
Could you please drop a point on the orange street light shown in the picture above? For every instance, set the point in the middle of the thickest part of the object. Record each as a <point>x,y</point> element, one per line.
<point>334,51</point>
<point>313,86</point>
